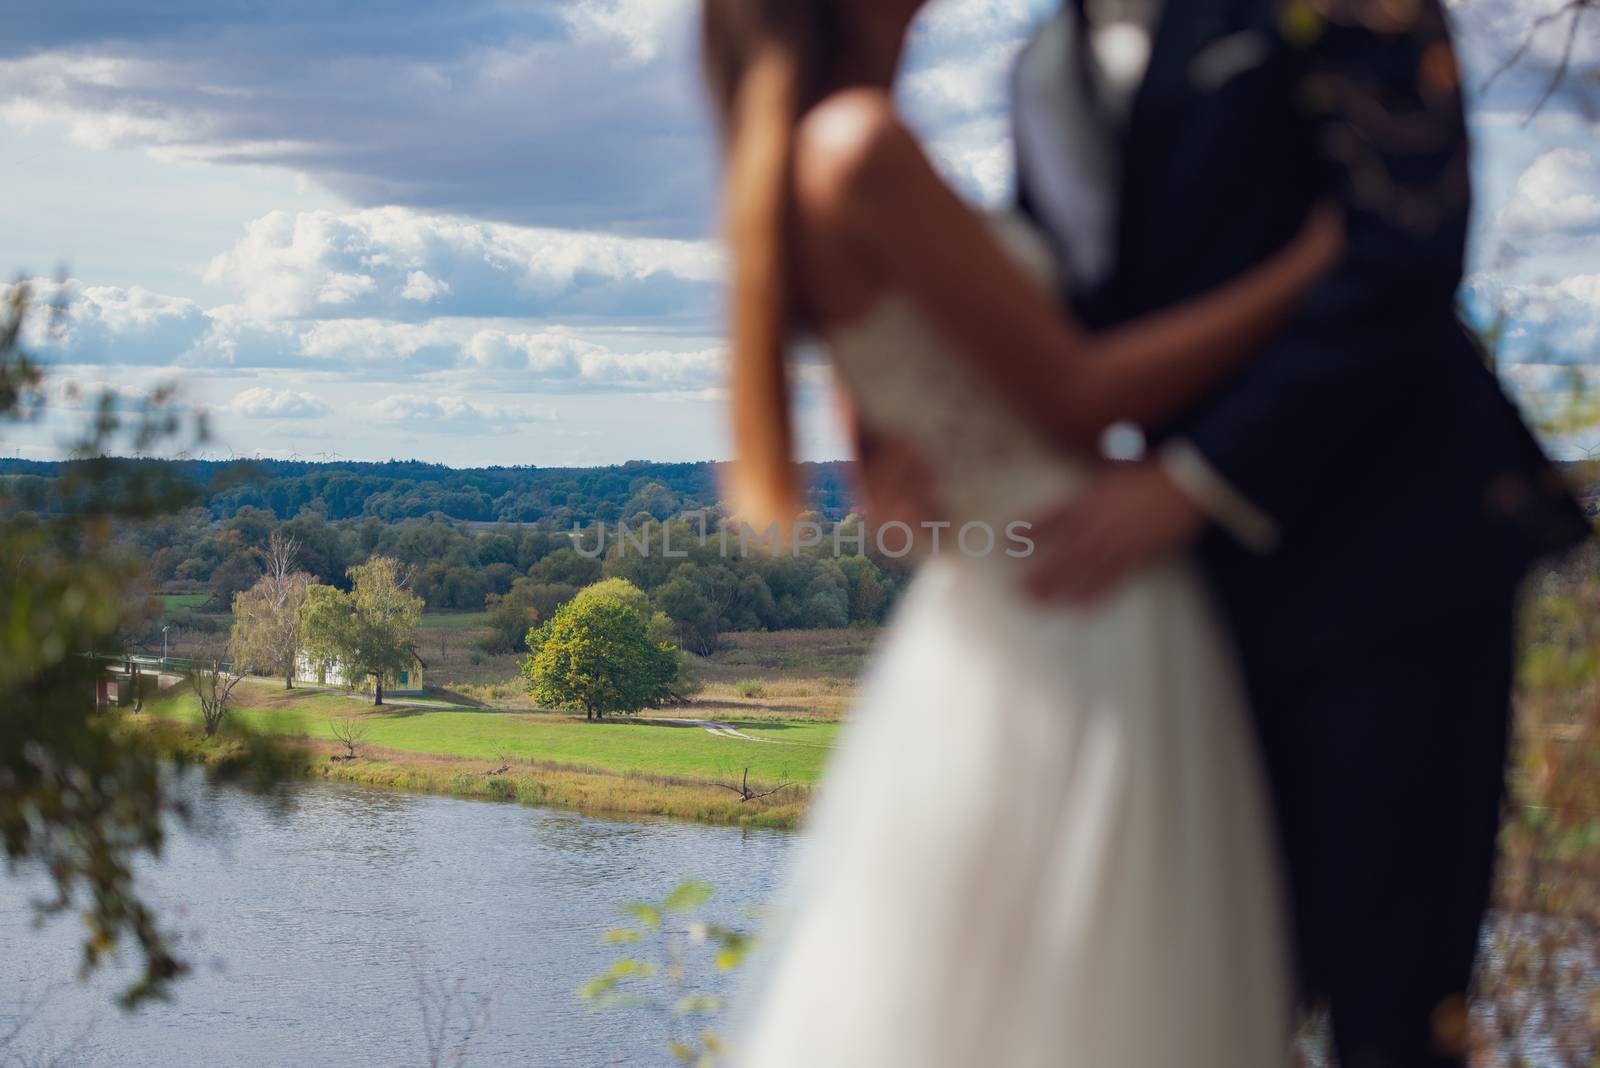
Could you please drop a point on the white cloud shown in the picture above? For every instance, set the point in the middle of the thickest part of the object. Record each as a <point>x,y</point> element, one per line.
<point>1560,317</point>
<point>342,288</point>
<point>966,84</point>
<point>129,310</point>
<point>232,337</point>
<point>360,342</point>
<point>259,402</point>
<point>655,370</point>
<point>1559,194</point>
<point>111,324</point>
<point>450,414</point>
<point>391,261</point>
<point>421,288</point>
<point>956,90</point>
<point>977,159</point>
<point>74,394</point>
<point>550,354</point>
<point>645,28</point>
<point>556,357</point>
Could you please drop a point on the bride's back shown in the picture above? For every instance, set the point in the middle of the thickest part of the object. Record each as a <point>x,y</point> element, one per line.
<point>907,381</point>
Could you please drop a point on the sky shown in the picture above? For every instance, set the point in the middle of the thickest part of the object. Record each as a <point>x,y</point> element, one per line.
<point>481,232</point>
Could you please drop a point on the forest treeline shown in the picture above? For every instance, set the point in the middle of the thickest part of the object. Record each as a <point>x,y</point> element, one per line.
<point>559,497</point>
<point>520,572</point>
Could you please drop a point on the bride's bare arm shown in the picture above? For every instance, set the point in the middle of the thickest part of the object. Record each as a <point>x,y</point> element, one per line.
<point>860,172</point>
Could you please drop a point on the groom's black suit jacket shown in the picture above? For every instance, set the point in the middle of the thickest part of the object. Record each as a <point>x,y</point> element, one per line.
<point>1371,431</point>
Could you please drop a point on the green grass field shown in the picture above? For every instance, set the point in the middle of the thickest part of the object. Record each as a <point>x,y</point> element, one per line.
<point>454,621</point>
<point>171,602</point>
<point>794,751</point>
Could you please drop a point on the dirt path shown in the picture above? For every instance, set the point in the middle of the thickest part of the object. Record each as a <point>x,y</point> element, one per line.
<point>721,730</point>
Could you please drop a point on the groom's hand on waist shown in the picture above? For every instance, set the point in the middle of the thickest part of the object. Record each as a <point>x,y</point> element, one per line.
<point>1128,517</point>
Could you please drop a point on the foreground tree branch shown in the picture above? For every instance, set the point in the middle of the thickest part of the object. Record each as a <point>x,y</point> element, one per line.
<point>1575,12</point>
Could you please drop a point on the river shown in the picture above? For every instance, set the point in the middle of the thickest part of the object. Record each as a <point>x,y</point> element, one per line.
<point>315,927</point>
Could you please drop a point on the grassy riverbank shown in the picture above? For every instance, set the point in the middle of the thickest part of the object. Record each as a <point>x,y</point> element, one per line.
<point>613,768</point>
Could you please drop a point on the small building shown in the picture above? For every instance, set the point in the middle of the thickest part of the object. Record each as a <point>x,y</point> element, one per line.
<point>407,683</point>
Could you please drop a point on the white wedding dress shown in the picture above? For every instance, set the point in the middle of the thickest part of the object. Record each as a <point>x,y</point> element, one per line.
<point>1043,839</point>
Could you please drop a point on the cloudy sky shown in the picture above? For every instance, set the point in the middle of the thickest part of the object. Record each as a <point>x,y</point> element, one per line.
<point>478,232</point>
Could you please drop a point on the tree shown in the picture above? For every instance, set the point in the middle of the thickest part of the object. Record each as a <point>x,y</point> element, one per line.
<point>544,597</point>
<point>266,624</point>
<point>565,567</point>
<point>327,625</point>
<point>370,631</point>
<point>693,616</point>
<point>512,615</point>
<point>657,626</point>
<point>595,655</point>
<point>213,688</point>
<point>754,607</point>
<point>867,594</point>
<point>320,548</point>
<point>282,552</point>
<point>81,796</point>
<point>236,571</point>
<point>350,732</point>
<point>653,499</point>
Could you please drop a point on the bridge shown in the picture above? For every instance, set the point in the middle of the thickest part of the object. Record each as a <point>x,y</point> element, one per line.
<point>118,682</point>
<point>157,665</point>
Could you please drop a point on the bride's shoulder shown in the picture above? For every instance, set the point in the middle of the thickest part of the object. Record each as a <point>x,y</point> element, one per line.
<point>848,145</point>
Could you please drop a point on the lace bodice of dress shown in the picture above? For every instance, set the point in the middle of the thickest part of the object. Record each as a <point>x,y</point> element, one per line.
<point>908,381</point>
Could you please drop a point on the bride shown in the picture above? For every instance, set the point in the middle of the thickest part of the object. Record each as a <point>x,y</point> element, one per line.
<point>1043,839</point>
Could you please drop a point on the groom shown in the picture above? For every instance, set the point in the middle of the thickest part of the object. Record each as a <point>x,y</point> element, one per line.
<point>1364,498</point>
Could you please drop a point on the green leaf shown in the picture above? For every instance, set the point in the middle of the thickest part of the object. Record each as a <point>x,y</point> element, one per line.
<point>689,895</point>
<point>629,968</point>
<point>648,915</point>
<point>595,988</point>
<point>683,1053</point>
<point>697,1005</point>
<point>621,935</point>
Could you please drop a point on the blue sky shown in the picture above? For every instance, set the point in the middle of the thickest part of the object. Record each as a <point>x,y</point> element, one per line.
<point>478,233</point>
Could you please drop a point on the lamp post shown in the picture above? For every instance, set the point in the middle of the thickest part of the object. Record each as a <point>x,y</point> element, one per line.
<point>164,642</point>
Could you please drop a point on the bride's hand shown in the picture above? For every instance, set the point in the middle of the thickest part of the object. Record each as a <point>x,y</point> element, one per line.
<point>1322,239</point>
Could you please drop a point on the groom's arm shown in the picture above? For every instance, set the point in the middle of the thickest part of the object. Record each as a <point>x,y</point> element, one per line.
<point>1392,140</point>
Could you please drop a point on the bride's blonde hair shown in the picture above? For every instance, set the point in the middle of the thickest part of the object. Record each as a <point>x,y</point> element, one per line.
<point>766,63</point>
